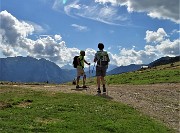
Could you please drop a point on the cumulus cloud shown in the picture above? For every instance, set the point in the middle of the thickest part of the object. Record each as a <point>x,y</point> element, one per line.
<point>57,37</point>
<point>12,29</point>
<point>158,45</point>
<point>161,9</point>
<point>155,36</point>
<point>14,41</point>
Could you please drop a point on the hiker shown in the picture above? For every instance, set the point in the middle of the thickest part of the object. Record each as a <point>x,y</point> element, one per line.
<point>102,59</point>
<point>80,69</point>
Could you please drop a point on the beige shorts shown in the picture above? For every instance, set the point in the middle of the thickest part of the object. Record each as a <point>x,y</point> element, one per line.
<point>80,72</point>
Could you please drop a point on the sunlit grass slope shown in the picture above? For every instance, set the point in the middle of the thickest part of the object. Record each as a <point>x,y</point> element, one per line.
<point>161,74</point>
<point>24,110</point>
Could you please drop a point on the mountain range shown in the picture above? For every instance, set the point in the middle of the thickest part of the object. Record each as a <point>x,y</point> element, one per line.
<point>29,69</point>
<point>123,69</point>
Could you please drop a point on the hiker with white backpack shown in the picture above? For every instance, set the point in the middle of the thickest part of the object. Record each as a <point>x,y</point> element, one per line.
<point>102,60</point>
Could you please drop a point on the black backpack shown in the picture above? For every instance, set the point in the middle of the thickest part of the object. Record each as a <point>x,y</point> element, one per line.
<point>75,61</point>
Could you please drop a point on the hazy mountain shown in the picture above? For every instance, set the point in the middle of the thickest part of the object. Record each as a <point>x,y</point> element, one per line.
<point>68,67</point>
<point>123,69</point>
<point>111,67</point>
<point>28,69</point>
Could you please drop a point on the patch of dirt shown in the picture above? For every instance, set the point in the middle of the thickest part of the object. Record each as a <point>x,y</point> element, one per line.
<point>25,104</point>
<point>4,105</point>
<point>160,101</point>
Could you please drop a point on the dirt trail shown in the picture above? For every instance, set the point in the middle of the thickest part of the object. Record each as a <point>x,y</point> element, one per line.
<point>160,101</point>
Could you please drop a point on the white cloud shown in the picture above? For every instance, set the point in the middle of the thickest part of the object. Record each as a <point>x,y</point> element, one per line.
<point>79,27</point>
<point>161,9</point>
<point>100,10</point>
<point>57,4</point>
<point>175,31</point>
<point>57,37</point>
<point>14,41</point>
<point>162,46</point>
<point>155,36</point>
<point>37,28</point>
<point>71,6</point>
<point>90,10</point>
<point>108,15</point>
<point>12,29</point>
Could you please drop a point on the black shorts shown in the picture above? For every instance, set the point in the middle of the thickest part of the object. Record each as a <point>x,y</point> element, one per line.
<point>101,71</point>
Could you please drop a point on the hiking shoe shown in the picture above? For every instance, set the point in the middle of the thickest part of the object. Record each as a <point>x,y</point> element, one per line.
<point>84,86</point>
<point>104,90</point>
<point>99,91</point>
<point>77,86</point>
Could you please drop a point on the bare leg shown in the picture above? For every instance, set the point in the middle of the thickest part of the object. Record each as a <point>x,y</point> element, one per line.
<point>98,81</point>
<point>84,80</point>
<point>78,80</point>
<point>102,80</point>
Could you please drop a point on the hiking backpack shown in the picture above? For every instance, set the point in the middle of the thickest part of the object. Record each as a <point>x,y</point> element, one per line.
<point>75,61</point>
<point>103,58</point>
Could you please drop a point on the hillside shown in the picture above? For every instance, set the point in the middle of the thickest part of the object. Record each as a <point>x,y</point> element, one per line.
<point>134,67</point>
<point>164,60</point>
<point>160,74</point>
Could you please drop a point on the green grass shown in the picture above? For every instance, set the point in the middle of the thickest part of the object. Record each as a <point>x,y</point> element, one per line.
<point>160,74</point>
<point>146,77</point>
<point>25,110</point>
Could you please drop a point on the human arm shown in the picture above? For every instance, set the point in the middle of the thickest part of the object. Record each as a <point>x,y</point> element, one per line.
<point>87,62</point>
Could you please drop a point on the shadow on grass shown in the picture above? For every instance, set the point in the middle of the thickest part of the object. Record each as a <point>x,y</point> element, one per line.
<point>80,89</point>
<point>104,96</point>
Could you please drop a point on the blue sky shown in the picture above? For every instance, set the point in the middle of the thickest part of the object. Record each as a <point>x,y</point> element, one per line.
<point>133,31</point>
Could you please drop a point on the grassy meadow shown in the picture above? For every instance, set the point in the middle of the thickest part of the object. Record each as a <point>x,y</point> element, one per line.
<point>25,110</point>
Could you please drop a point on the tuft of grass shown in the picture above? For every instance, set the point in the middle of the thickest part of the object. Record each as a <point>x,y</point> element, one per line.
<point>25,110</point>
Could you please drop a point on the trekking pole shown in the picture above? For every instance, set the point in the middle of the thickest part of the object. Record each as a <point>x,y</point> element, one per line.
<point>106,84</point>
<point>106,88</point>
<point>93,67</point>
<point>89,73</point>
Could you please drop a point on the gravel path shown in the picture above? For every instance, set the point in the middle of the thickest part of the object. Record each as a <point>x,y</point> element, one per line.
<point>160,101</point>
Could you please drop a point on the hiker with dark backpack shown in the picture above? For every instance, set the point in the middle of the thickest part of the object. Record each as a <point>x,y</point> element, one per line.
<point>102,60</point>
<point>79,65</point>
